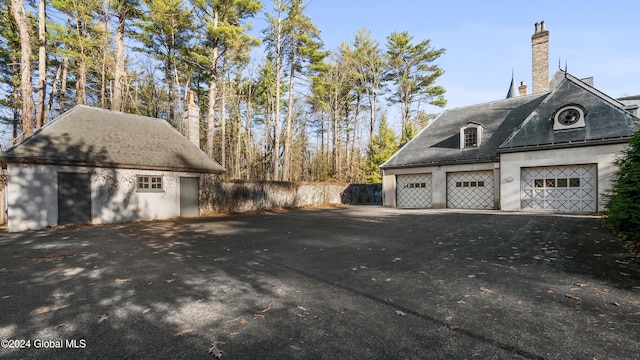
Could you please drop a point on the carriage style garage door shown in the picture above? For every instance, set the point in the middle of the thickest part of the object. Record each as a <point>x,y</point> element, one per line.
<point>559,188</point>
<point>413,191</point>
<point>470,190</point>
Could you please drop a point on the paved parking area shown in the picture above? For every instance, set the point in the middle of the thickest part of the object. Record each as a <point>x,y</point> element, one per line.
<point>356,282</point>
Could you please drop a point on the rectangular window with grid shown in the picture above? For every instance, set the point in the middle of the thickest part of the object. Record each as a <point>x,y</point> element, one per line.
<point>149,183</point>
<point>470,137</point>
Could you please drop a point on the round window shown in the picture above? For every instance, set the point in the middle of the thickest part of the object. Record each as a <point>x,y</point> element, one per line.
<point>569,117</point>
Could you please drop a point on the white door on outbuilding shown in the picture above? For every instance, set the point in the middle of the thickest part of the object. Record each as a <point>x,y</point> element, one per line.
<point>413,191</point>
<point>559,188</point>
<point>470,190</point>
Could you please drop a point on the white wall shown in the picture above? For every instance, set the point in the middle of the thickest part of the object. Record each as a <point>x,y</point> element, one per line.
<point>32,195</point>
<point>511,163</point>
<point>438,181</point>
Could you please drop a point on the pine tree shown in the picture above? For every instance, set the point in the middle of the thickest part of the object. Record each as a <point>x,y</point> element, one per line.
<point>412,72</point>
<point>225,31</point>
<point>26,89</point>
<point>165,32</point>
<point>302,43</point>
<point>126,11</point>
<point>381,147</point>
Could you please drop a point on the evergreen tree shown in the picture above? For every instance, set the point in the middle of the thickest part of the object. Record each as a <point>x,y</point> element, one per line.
<point>412,72</point>
<point>623,208</point>
<point>165,32</point>
<point>302,44</point>
<point>126,11</point>
<point>26,89</point>
<point>381,147</point>
<point>9,70</point>
<point>224,35</point>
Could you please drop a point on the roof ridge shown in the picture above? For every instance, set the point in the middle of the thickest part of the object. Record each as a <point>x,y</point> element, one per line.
<point>497,101</point>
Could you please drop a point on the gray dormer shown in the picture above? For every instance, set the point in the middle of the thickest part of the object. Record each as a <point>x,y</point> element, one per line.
<point>471,135</point>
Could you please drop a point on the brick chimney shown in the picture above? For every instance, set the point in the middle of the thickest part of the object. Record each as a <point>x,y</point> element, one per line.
<point>522,89</point>
<point>540,56</point>
<point>192,121</point>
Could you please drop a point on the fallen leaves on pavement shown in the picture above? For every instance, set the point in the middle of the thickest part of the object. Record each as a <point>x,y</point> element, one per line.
<point>185,332</point>
<point>47,309</point>
<point>214,351</point>
<point>572,296</point>
<point>54,257</point>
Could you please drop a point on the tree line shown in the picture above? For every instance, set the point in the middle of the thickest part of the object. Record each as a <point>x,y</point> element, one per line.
<point>294,112</point>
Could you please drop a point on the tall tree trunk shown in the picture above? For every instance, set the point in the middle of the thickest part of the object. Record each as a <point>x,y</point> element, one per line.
<point>248,138</point>
<point>26,89</point>
<point>286,161</point>
<point>16,112</point>
<point>276,125</point>
<point>81,65</point>
<point>81,82</point>
<point>213,79</point>
<point>352,159</point>
<point>53,91</point>
<point>211,116</point>
<point>42,64</point>
<point>223,125</point>
<point>63,84</point>
<point>116,101</point>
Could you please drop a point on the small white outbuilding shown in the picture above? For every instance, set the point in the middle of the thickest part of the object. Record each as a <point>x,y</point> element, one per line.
<point>98,166</point>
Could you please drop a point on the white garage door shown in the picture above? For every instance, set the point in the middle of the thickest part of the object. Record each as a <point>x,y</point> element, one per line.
<point>559,188</point>
<point>413,191</point>
<point>470,190</point>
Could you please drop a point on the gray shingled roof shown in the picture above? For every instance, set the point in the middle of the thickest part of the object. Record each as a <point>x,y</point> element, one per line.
<point>439,143</point>
<point>605,120</point>
<point>517,123</point>
<point>88,136</point>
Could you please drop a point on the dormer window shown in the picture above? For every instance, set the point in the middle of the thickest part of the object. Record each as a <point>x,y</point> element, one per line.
<point>569,117</point>
<point>470,136</point>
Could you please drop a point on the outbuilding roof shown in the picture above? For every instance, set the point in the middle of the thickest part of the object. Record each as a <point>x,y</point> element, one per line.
<point>88,136</point>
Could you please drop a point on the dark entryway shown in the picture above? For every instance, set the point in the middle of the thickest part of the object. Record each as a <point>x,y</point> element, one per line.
<point>189,196</point>
<point>74,198</point>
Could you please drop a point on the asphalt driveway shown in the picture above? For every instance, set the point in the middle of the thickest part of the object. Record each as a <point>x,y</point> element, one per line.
<point>357,282</point>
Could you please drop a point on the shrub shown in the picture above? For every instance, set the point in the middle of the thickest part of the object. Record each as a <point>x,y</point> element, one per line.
<point>623,208</point>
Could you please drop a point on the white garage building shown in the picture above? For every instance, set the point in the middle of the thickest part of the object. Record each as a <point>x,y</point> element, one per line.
<point>553,150</point>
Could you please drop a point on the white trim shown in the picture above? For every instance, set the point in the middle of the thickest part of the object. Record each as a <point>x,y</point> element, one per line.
<point>478,128</point>
<point>557,125</point>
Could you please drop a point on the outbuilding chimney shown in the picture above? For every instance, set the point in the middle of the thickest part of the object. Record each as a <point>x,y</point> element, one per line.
<point>192,121</point>
<point>522,89</point>
<point>540,57</point>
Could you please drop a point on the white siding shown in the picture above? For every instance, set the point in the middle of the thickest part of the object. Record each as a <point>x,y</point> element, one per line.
<point>32,195</point>
<point>438,181</point>
<point>511,165</point>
